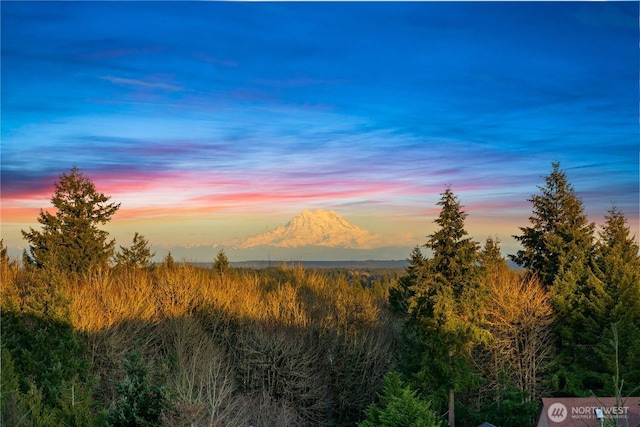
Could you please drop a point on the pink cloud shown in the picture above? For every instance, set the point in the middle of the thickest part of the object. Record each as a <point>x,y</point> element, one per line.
<point>18,214</point>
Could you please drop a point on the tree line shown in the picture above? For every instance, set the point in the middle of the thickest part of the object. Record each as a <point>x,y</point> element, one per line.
<point>458,338</point>
<point>484,342</point>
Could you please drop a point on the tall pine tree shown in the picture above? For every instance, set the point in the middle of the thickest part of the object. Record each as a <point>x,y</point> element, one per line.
<point>558,248</point>
<point>446,304</point>
<point>617,265</point>
<point>559,230</point>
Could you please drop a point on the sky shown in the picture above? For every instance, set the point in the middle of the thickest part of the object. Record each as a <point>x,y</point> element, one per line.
<point>211,121</point>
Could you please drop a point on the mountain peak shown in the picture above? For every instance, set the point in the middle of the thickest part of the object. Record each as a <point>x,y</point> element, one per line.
<point>312,228</point>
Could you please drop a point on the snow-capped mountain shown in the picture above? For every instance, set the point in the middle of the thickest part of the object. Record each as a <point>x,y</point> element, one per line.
<point>312,228</point>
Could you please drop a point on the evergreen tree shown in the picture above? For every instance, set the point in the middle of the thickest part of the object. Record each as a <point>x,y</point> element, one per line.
<point>168,261</point>
<point>6,264</point>
<point>491,260</point>
<point>402,290</point>
<point>4,254</point>
<point>141,400</point>
<point>559,229</point>
<point>446,305</point>
<point>617,265</point>
<point>138,256</point>
<point>399,407</point>
<point>221,263</point>
<point>558,248</point>
<point>70,239</point>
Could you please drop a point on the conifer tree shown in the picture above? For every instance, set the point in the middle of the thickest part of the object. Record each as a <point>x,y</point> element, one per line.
<point>446,305</point>
<point>617,265</point>
<point>138,256</point>
<point>559,230</point>
<point>70,240</point>
<point>399,407</point>
<point>558,248</point>
<point>221,263</point>
<point>168,261</point>
<point>490,257</point>
<point>403,289</point>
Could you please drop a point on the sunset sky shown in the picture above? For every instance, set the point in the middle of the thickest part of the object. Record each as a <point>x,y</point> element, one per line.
<point>211,121</point>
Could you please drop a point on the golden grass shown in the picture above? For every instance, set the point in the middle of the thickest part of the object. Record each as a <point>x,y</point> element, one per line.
<point>295,297</point>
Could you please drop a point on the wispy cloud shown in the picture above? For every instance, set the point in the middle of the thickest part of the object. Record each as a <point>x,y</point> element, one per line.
<point>217,61</point>
<point>143,84</point>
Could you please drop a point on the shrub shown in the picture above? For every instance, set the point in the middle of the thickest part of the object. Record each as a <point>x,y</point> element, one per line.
<point>140,402</point>
<point>399,407</point>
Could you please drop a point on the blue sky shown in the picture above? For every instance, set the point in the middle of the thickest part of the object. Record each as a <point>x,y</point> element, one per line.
<point>211,121</point>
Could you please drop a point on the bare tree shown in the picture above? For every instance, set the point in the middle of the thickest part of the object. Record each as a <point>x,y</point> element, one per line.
<point>519,316</point>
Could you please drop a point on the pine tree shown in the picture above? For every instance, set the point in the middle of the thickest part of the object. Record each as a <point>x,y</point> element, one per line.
<point>168,261</point>
<point>399,407</point>
<point>559,229</point>
<point>402,291</point>
<point>138,256</point>
<point>558,248</point>
<point>70,240</point>
<point>221,263</point>
<point>447,304</point>
<point>617,265</point>
<point>490,258</point>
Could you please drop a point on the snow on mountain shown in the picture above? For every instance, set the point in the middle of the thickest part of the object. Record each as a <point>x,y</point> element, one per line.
<point>312,228</point>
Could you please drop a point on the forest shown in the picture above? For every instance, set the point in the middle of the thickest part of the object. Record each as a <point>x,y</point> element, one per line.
<point>98,335</point>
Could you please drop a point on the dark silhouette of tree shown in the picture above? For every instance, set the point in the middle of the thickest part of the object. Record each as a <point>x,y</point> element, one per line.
<point>138,255</point>
<point>70,239</point>
<point>168,261</point>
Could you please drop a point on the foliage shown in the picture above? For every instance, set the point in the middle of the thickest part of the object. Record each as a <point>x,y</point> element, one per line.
<point>445,304</point>
<point>45,369</point>
<point>490,258</point>
<point>559,229</point>
<point>221,263</point>
<point>404,288</point>
<point>295,347</point>
<point>138,256</point>
<point>519,319</point>
<point>140,402</point>
<point>5,261</point>
<point>617,266</point>
<point>399,407</point>
<point>168,261</point>
<point>516,362</point>
<point>559,249</point>
<point>70,240</point>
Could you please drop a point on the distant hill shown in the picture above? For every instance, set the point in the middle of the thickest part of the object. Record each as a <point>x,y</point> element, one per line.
<point>369,264</point>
